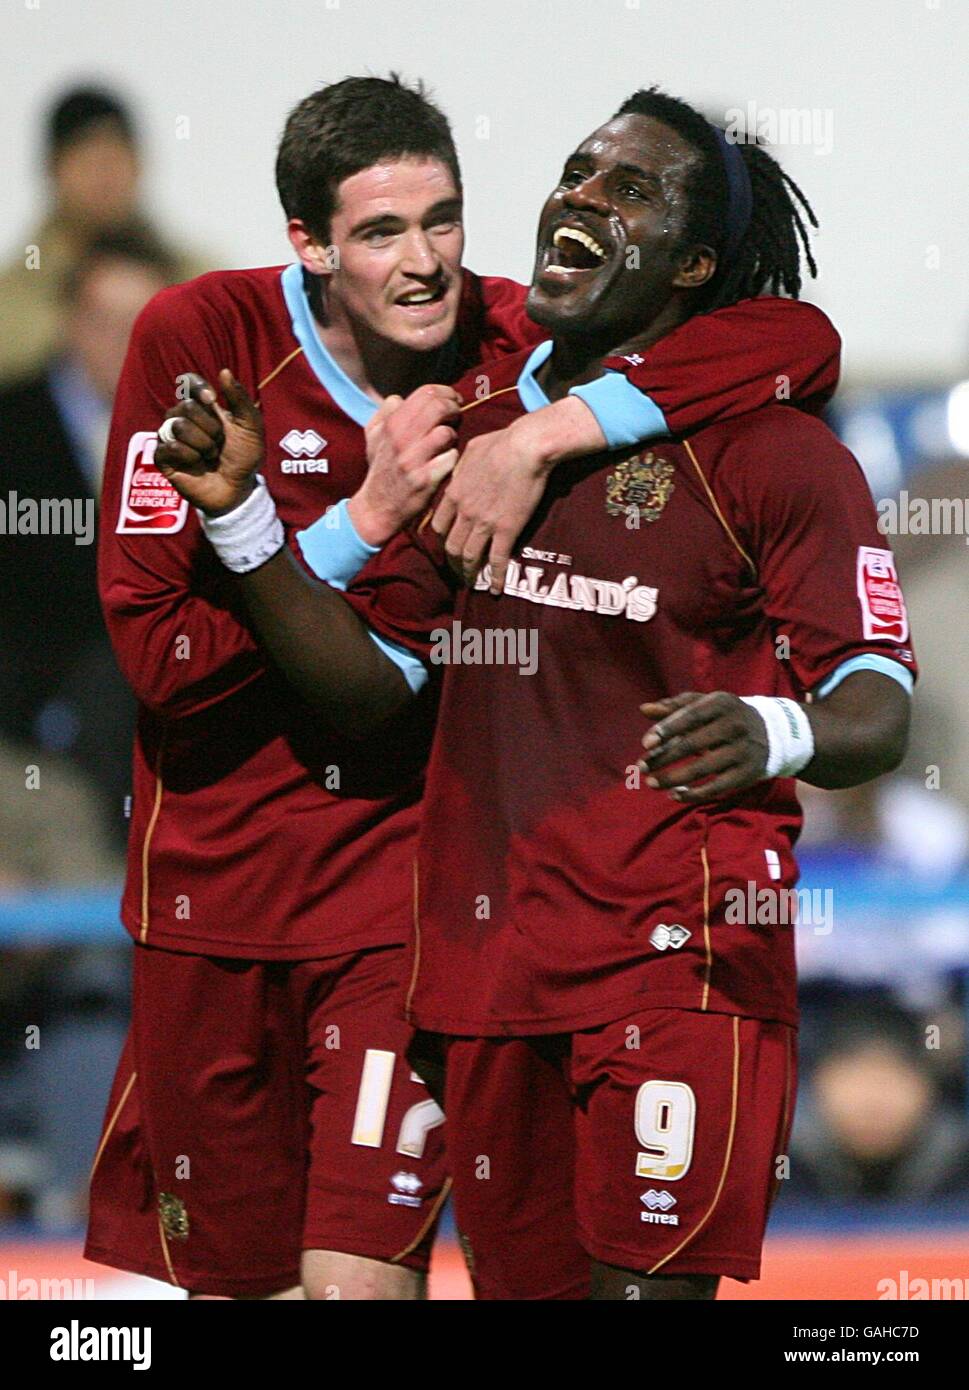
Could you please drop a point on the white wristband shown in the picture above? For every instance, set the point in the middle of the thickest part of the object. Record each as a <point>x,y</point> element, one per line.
<point>249,535</point>
<point>790,739</point>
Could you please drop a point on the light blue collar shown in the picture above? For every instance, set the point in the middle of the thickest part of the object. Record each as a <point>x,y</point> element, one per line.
<point>531,394</point>
<point>346,393</point>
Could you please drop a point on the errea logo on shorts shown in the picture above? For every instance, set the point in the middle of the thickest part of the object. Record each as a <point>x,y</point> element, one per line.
<point>300,442</point>
<point>407,1185</point>
<point>659,1204</point>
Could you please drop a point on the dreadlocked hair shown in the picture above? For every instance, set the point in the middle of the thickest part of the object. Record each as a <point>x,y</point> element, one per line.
<point>768,257</point>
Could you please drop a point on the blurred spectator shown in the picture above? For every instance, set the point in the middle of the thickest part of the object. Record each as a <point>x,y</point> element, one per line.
<point>75,1003</point>
<point>52,1096</point>
<point>937,596</point>
<point>93,165</point>
<point>60,690</point>
<point>870,1124</point>
<point>896,820</point>
<point>53,833</point>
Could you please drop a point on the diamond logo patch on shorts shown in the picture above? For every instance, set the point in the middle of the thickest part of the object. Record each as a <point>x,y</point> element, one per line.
<point>659,1204</point>
<point>407,1186</point>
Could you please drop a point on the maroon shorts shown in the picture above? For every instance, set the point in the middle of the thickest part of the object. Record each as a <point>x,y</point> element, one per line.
<point>261,1109</point>
<point>649,1144</point>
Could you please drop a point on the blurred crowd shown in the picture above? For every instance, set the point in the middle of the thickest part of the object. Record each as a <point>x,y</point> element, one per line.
<point>69,296</point>
<point>882,1117</point>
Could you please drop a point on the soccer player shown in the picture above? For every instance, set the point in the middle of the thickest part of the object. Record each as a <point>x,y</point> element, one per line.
<point>263,1105</point>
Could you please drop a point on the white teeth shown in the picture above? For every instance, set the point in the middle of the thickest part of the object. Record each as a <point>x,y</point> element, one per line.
<point>419,297</point>
<point>583,238</point>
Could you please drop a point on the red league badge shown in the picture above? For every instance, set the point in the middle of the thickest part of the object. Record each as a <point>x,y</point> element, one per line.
<point>148,500</point>
<point>882,604</point>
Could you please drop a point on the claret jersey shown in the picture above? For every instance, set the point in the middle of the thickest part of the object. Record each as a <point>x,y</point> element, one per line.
<point>256,831</point>
<point>555,890</point>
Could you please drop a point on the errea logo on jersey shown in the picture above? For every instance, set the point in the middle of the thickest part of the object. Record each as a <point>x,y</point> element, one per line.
<point>299,442</point>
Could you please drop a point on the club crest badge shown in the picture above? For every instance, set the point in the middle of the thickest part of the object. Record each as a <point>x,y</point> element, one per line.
<point>643,482</point>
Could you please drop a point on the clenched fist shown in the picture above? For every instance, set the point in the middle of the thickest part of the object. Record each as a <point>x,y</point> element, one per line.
<point>410,450</point>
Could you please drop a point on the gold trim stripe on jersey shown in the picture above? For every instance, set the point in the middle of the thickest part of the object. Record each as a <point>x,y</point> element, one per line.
<point>417,947</point>
<point>146,843</point>
<point>716,507</point>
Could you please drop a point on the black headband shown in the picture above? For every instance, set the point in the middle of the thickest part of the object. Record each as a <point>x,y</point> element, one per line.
<point>740,195</point>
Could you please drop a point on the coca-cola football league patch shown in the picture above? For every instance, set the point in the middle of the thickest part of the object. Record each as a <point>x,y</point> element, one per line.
<point>879,593</point>
<point>149,502</point>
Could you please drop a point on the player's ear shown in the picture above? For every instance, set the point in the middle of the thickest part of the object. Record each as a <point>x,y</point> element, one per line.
<point>696,266</point>
<point>315,255</point>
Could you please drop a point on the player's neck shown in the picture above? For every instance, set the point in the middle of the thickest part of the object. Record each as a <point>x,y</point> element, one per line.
<point>576,360</point>
<point>376,365</point>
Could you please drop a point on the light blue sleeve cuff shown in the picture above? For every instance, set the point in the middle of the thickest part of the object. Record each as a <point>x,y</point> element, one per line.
<point>336,554</point>
<point>333,549</point>
<point>413,669</point>
<point>870,661</point>
<point>625,414</point>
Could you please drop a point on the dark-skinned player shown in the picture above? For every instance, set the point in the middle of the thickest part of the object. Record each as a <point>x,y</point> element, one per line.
<point>618,1049</point>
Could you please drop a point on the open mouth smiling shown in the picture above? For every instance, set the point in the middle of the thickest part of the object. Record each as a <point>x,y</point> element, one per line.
<point>422,298</point>
<point>574,251</point>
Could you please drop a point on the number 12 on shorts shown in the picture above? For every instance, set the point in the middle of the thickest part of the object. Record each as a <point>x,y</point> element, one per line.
<point>665,1123</point>
<point>372,1101</point>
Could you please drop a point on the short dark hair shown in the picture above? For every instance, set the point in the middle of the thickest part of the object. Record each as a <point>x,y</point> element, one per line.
<point>768,256</point>
<point>134,244</point>
<point>348,126</point>
<point>77,111</point>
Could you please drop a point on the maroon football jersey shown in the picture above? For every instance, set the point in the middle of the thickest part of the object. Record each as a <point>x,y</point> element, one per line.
<point>256,831</point>
<point>554,891</point>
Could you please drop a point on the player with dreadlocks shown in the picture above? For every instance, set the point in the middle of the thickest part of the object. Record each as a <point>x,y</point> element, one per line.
<point>765,258</point>
<point>750,215</point>
<point>604,953</point>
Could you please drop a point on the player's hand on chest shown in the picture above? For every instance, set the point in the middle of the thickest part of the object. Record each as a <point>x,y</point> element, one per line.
<point>626,540</point>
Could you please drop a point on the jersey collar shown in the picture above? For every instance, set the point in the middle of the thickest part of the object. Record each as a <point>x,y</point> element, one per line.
<point>346,393</point>
<point>530,393</point>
